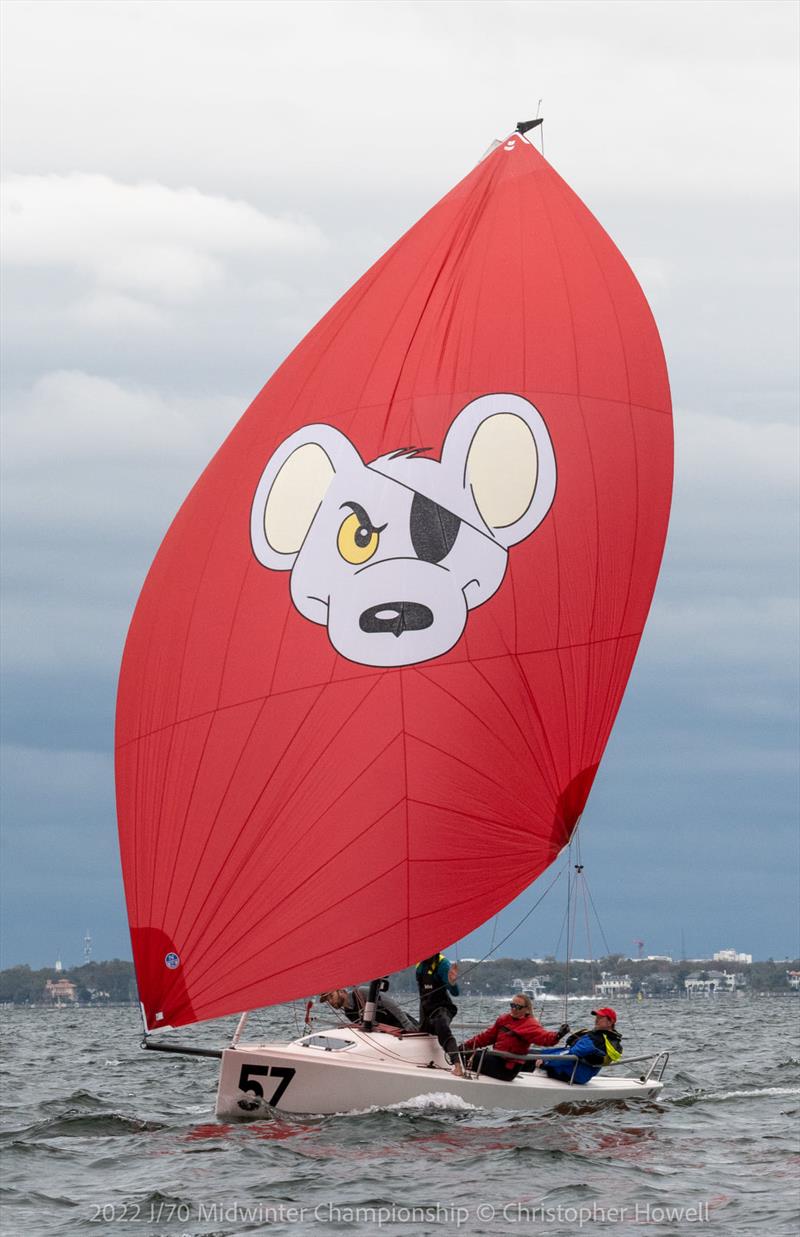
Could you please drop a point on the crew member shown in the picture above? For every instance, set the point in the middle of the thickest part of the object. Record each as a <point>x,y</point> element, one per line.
<point>512,1032</point>
<point>351,1002</point>
<point>436,980</point>
<point>602,1045</point>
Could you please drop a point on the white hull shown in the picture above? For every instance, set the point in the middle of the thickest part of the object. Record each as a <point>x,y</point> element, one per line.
<point>348,1070</point>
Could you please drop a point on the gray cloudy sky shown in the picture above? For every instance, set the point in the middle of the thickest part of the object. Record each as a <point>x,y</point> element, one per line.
<point>189,186</point>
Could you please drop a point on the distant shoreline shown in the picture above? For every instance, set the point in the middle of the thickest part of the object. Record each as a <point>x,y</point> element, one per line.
<point>612,979</point>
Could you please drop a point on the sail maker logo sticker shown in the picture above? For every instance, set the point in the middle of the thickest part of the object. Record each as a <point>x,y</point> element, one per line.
<point>172,961</point>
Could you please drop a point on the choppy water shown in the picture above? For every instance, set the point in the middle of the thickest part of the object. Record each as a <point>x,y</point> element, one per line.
<point>101,1138</point>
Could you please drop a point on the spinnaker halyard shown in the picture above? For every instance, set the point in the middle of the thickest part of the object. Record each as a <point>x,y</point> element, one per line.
<point>377,658</point>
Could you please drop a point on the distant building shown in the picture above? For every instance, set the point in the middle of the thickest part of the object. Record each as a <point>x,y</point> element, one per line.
<point>652,958</point>
<point>793,978</point>
<point>613,985</point>
<point>659,984</point>
<point>730,955</point>
<point>61,990</point>
<point>707,983</point>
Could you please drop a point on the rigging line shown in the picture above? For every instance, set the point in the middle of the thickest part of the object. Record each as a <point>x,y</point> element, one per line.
<point>494,932</point>
<point>491,951</point>
<point>574,926</point>
<point>592,968</point>
<point>555,953</point>
<point>517,926</point>
<point>635,1028</point>
<point>560,935</point>
<point>569,927</point>
<point>404,732</point>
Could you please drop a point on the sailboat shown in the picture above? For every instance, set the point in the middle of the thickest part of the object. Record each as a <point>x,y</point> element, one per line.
<point>377,658</point>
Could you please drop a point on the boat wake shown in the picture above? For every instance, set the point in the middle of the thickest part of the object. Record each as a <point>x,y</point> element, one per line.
<point>441,1101</point>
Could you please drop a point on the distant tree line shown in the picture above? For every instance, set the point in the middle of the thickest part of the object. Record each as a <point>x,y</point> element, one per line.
<point>651,977</point>
<point>95,983</point>
<point>99,983</point>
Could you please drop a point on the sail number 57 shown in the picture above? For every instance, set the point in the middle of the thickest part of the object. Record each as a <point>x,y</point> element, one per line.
<point>248,1076</point>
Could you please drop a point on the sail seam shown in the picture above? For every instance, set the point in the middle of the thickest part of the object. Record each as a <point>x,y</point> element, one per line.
<point>215,960</point>
<point>254,808</point>
<point>552,648</point>
<point>462,704</point>
<point>306,921</point>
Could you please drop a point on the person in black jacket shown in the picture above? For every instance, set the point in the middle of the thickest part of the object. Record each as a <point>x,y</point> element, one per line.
<point>351,1002</point>
<point>436,980</point>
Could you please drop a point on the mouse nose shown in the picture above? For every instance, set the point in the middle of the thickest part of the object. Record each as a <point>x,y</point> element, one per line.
<point>396,617</point>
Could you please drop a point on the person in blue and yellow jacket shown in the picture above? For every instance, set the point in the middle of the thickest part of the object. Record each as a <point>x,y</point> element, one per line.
<point>602,1045</point>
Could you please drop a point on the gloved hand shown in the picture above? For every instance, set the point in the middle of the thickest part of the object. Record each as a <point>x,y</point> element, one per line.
<point>562,1030</point>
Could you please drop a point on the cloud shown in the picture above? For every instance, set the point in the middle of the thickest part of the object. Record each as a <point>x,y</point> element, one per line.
<point>94,472</point>
<point>234,91</point>
<point>71,416</point>
<point>163,255</point>
<point>103,311</point>
<point>719,456</point>
<point>55,774</point>
<point>153,284</point>
<point>733,531</point>
<point>143,239</point>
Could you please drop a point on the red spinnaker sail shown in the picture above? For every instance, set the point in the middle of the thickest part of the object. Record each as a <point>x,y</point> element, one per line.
<point>377,658</point>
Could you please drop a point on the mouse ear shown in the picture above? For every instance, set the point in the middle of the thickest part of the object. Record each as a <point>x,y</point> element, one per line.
<point>291,489</point>
<point>502,449</point>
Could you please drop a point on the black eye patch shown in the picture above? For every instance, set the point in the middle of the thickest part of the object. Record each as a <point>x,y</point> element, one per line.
<point>433,529</point>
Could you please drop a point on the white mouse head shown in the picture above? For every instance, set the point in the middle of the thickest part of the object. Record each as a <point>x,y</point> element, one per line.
<point>390,556</point>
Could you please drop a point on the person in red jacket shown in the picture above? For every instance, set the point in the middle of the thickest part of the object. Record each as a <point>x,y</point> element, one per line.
<point>513,1032</point>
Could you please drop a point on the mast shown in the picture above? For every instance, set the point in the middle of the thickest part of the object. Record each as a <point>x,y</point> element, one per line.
<point>371,1006</point>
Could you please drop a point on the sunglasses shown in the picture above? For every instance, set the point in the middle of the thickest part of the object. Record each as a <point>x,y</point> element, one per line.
<point>518,1005</point>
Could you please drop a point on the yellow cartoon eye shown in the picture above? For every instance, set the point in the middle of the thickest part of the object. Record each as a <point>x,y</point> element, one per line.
<point>358,539</point>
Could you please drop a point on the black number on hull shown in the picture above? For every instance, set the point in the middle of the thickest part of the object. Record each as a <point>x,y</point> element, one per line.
<point>247,1082</point>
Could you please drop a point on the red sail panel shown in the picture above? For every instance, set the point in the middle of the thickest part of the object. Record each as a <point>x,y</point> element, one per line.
<point>366,688</point>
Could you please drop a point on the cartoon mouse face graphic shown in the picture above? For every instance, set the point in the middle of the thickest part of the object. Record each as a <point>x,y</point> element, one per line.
<point>392,555</point>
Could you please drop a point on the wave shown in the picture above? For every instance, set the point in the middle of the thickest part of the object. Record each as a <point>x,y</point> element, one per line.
<point>87,1125</point>
<point>735,1095</point>
<point>705,1097</point>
